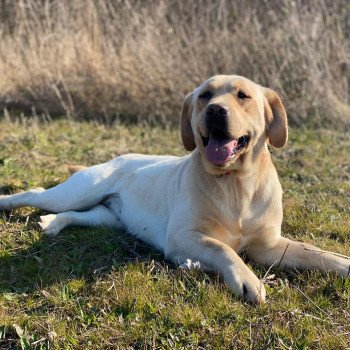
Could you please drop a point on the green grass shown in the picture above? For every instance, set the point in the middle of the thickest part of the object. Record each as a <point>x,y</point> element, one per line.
<point>99,289</point>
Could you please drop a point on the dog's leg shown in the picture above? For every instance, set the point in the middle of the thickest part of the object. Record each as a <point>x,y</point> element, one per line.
<point>83,190</point>
<point>217,256</point>
<point>99,216</point>
<point>300,255</point>
<point>28,198</point>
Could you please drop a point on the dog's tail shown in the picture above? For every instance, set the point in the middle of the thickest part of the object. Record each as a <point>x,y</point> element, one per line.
<point>72,169</point>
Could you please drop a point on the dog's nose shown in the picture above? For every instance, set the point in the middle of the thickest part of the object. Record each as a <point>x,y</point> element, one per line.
<point>216,117</point>
<point>216,109</point>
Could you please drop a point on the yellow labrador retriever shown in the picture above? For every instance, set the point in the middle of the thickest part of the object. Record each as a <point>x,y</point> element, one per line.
<point>204,208</point>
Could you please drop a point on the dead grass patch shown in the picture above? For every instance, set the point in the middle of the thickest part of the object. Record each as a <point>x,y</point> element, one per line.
<point>138,59</point>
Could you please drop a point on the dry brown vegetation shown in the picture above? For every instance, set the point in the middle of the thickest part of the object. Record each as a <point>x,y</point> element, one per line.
<point>137,59</point>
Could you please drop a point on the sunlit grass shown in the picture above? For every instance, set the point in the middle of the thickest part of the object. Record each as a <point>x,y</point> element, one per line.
<point>100,289</point>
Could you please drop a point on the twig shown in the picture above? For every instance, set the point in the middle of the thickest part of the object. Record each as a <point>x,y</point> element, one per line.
<point>325,251</point>
<point>131,250</point>
<point>38,251</point>
<point>310,300</point>
<point>279,263</point>
<point>102,268</point>
<point>38,341</point>
<point>269,269</point>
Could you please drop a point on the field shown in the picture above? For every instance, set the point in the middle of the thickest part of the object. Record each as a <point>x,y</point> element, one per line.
<point>136,60</point>
<point>100,289</point>
<point>85,81</point>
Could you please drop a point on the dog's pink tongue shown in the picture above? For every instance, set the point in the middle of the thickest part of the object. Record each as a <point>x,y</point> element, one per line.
<point>218,151</point>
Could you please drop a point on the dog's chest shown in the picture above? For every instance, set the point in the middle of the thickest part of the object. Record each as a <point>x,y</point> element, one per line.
<point>236,220</point>
<point>236,232</point>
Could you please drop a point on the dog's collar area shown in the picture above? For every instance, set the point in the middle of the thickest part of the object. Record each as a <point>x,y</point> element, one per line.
<point>223,175</point>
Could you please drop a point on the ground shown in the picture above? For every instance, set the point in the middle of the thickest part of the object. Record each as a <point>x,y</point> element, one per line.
<point>101,289</point>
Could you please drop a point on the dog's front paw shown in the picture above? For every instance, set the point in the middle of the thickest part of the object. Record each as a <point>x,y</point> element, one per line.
<point>50,224</point>
<point>254,292</point>
<point>248,286</point>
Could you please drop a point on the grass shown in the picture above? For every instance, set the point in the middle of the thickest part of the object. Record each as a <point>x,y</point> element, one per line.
<point>100,289</point>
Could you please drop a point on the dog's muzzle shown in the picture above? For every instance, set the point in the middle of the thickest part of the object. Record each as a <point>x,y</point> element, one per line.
<point>216,117</point>
<point>221,146</point>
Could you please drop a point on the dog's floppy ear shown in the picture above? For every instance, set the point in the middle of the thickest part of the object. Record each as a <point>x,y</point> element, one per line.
<point>276,119</point>
<point>186,128</point>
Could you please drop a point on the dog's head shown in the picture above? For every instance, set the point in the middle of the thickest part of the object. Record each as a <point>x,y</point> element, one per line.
<point>227,116</point>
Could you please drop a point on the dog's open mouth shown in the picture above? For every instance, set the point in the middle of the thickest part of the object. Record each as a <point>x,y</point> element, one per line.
<point>220,148</point>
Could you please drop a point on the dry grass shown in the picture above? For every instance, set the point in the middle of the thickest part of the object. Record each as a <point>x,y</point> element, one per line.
<point>137,59</point>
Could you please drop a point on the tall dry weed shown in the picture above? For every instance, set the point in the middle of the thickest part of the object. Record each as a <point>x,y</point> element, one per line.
<point>138,59</point>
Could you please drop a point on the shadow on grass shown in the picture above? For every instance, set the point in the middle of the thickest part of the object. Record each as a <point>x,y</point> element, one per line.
<point>80,253</point>
<point>74,253</point>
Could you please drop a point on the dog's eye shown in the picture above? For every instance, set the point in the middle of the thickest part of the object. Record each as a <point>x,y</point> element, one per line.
<point>242,95</point>
<point>206,95</point>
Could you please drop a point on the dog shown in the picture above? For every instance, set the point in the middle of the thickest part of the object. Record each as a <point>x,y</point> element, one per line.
<point>202,209</point>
